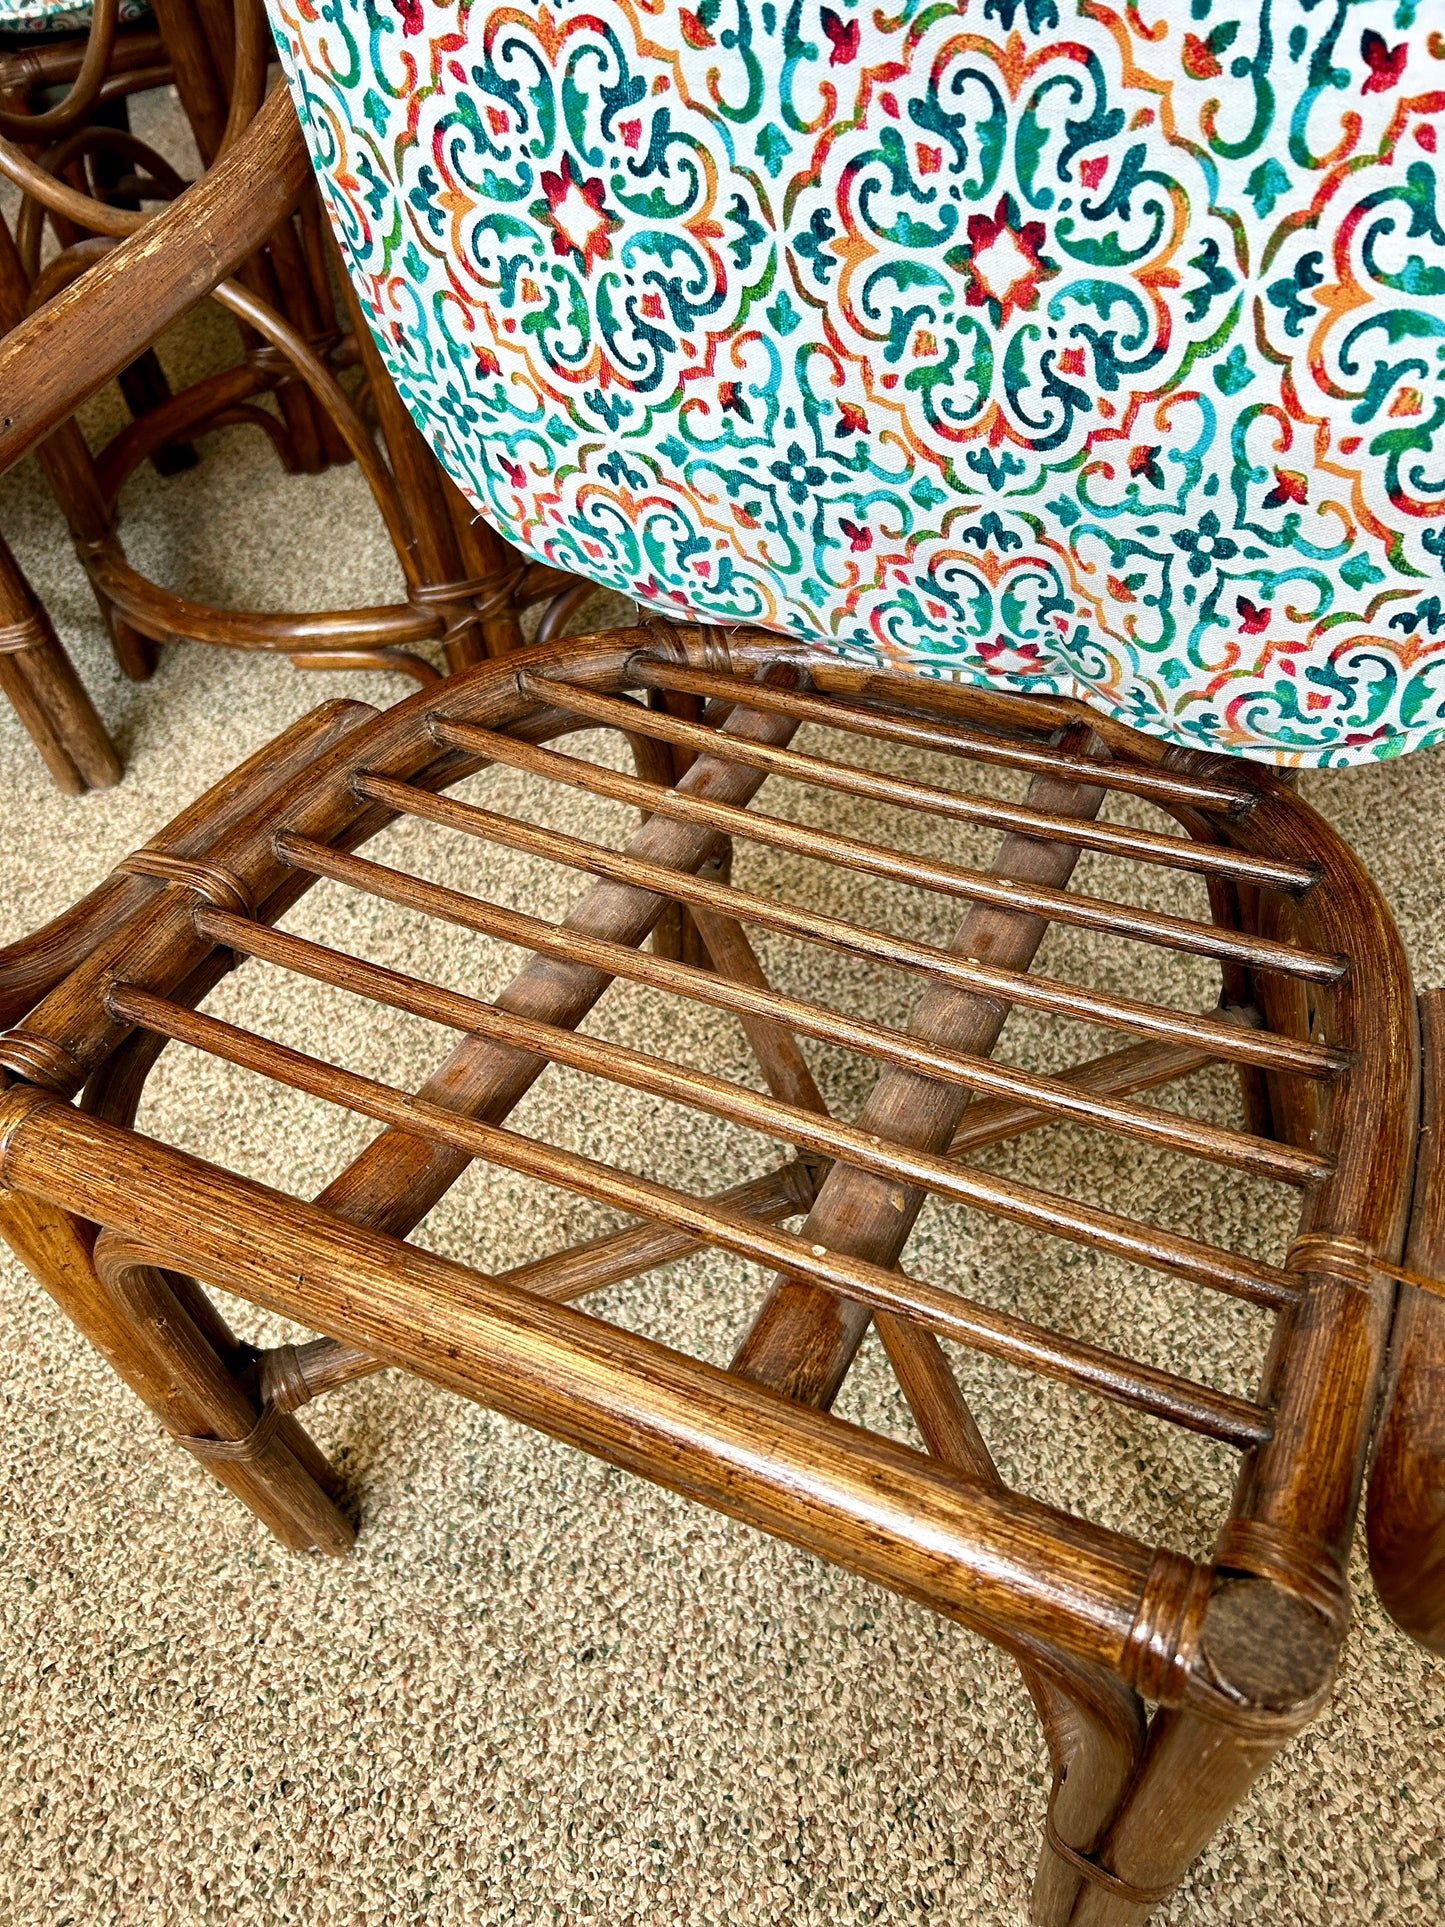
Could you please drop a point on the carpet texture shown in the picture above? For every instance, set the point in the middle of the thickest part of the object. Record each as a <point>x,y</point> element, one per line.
<point>540,1691</point>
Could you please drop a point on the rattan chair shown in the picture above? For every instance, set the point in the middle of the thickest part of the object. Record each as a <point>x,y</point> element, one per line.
<point>1165,1684</point>
<point>1234,1655</point>
<point>465,589</point>
<point>94,61</point>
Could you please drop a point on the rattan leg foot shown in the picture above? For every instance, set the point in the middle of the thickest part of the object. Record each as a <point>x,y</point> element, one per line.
<point>136,654</point>
<point>1093,1755</point>
<point>1194,1773</point>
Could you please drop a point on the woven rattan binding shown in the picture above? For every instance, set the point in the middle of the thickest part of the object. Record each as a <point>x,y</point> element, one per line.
<point>15,636</point>
<point>1349,1261</point>
<point>1099,1876</point>
<point>1250,1545</point>
<point>40,1060</point>
<point>208,880</point>
<point>236,1451</point>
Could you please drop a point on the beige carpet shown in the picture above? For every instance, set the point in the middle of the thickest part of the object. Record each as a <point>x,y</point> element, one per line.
<point>540,1691</point>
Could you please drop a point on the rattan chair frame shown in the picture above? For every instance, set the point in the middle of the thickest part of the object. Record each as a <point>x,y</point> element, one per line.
<point>1317,1016</point>
<point>1317,1013</point>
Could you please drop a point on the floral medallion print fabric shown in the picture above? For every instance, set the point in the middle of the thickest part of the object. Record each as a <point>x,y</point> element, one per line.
<point>58,16</point>
<point>1096,349</point>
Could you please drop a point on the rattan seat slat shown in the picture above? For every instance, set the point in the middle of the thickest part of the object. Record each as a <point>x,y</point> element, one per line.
<point>904,866</point>
<point>953,738</point>
<point>1200,1408</point>
<point>1193,1136</point>
<point>1180,853</point>
<point>1221,1039</point>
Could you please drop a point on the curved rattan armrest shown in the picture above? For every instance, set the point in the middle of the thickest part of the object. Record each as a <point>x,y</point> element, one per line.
<point>1406,1515</point>
<point>72,346</point>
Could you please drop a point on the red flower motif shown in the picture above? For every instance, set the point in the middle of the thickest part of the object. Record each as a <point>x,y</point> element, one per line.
<point>1144,460</point>
<point>1289,486</point>
<point>1254,621</point>
<point>1386,64</point>
<point>1002,259</point>
<point>411,15</point>
<point>844,36</point>
<point>859,540</point>
<point>851,419</point>
<point>581,224</point>
<point>1029,654</point>
<point>693,30</point>
<point>1199,58</point>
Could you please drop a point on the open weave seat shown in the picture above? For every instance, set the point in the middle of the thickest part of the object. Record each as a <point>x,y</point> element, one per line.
<point>1315,1013</point>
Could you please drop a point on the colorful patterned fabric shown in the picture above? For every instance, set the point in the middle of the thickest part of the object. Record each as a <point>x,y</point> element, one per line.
<point>1095,348</point>
<point>58,16</point>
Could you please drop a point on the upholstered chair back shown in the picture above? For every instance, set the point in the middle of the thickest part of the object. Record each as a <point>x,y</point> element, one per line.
<point>1097,349</point>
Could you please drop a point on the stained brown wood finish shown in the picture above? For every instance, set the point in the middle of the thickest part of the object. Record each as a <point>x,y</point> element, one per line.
<point>35,672</point>
<point>47,695</point>
<point>1232,1657</point>
<point>1406,1511</point>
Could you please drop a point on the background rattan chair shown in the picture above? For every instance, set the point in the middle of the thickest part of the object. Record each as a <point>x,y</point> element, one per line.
<point>300,336</point>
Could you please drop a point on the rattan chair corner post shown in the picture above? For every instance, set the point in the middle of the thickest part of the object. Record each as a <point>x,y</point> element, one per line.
<point>285,1481</point>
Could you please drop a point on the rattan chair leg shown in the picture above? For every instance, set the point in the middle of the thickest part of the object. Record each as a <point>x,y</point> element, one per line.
<point>173,1366</point>
<point>70,470</point>
<point>1406,1509</point>
<point>1093,1750</point>
<point>207,1411</point>
<point>1093,1725</point>
<point>199,50</point>
<point>41,683</point>
<point>1194,1773</point>
<point>48,696</point>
